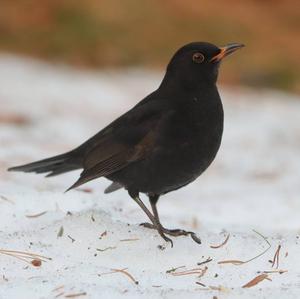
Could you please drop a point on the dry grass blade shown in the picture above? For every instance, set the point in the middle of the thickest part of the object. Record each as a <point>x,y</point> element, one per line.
<point>36,215</point>
<point>75,295</point>
<point>16,256</point>
<point>107,248</point>
<point>275,271</point>
<point>30,258</point>
<point>222,244</point>
<point>199,271</point>
<point>276,257</point>
<point>238,262</point>
<point>174,269</point>
<point>255,281</point>
<point>123,271</point>
<point>200,284</point>
<point>219,288</point>
<point>233,262</point>
<point>208,260</point>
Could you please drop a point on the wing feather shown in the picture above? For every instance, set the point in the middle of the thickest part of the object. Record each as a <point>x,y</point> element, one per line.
<point>128,139</point>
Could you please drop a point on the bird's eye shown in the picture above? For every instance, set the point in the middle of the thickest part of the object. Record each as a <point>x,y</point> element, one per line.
<point>198,57</point>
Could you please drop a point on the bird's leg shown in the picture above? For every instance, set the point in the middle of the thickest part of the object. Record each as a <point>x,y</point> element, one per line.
<point>155,223</point>
<point>172,232</point>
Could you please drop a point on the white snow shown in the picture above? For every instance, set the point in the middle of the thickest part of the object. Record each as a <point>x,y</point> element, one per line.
<point>252,185</point>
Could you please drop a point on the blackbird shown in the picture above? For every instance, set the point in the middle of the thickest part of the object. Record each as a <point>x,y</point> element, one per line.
<point>163,143</point>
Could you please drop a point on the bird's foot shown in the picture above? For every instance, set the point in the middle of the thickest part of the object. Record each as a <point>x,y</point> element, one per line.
<point>160,230</point>
<point>173,232</point>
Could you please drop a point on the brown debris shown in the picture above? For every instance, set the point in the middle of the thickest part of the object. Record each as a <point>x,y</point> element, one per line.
<point>219,288</point>
<point>174,269</point>
<point>199,271</point>
<point>256,280</point>
<point>14,119</point>
<point>75,295</point>
<point>60,232</point>
<point>208,260</point>
<point>276,257</point>
<point>107,248</point>
<point>123,271</point>
<point>72,239</point>
<point>222,244</point>
<point>161,247</point>
<point>233,262</point>
<point>36,215</point>
<point>126,273</point>
<point>103,234</point>
<point>36,262</point>
<point>275,271</point>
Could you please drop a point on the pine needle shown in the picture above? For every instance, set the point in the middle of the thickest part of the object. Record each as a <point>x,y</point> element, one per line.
<point>255,280</point>
<point>238,262</point>
<point>222,244</point>
<point>27,257</point>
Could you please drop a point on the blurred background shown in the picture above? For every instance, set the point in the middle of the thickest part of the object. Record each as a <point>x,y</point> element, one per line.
<point>131,33</point>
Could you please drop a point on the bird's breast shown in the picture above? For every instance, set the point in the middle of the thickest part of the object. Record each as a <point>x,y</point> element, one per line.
<point>191,142</point>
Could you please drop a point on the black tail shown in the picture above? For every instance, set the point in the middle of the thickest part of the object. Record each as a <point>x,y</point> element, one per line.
<point>54,165</point>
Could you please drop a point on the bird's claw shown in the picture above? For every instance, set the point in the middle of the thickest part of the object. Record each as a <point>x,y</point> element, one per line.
<point>160,230</point>
<point>172,232</point>
<point>147,225</point>
<point>166,238</point>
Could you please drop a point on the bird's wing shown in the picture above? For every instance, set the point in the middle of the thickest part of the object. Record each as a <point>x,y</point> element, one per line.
<point>128,139</point>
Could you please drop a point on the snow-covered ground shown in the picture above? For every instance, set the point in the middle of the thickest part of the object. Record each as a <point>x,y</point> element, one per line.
<point>251,191</point>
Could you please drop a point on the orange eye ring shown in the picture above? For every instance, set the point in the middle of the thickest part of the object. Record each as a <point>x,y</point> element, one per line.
<point>198,57</point>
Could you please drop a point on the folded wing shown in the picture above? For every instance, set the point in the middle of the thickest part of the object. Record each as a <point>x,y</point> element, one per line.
<point>128,139</point>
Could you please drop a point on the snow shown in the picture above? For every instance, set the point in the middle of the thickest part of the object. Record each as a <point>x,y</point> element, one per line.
<point>252,188</point>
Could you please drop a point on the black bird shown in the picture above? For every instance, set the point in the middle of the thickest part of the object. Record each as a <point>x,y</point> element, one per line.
<point>164,142</point>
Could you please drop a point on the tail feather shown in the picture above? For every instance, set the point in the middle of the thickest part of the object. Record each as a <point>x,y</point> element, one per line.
<point>53,166</point>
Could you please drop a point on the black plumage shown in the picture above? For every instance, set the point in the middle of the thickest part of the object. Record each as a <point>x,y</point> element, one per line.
<point>164,142</point>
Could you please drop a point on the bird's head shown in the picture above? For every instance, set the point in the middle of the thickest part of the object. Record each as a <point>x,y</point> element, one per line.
<point>197,63</point>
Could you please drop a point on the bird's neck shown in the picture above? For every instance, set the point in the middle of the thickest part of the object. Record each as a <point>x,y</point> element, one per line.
<point>175,84</point>
<point>179,89</point>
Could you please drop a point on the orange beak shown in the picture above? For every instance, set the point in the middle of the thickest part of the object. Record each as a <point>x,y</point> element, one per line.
<point>225,51</point>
